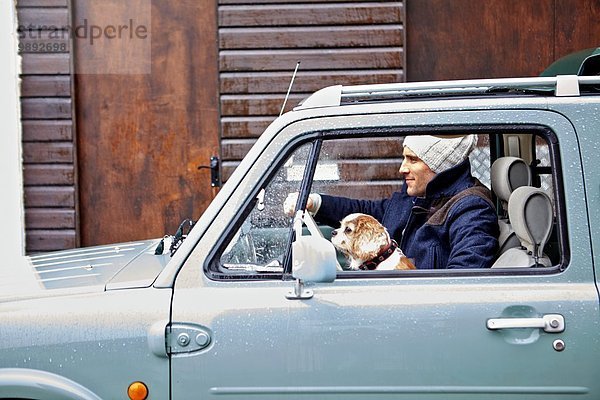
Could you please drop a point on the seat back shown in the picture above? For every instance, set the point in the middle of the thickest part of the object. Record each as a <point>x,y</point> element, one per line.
<point>531,216</point>
<point>508,174</point>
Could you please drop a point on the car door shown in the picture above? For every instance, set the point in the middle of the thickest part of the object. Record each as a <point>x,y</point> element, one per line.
<point>587,134</point>
<point>423,334</point>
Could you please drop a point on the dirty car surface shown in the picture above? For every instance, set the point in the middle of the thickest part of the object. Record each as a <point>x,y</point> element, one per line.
<point>229,314</point>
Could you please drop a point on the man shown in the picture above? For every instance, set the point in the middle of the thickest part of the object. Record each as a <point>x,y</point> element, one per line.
<point>442,218</point>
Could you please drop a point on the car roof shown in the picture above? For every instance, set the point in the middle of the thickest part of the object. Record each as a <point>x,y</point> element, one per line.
<point>558,86</point>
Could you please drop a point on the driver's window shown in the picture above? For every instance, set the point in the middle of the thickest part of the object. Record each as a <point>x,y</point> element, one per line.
<point>365,167</point>
<point>260,243</point>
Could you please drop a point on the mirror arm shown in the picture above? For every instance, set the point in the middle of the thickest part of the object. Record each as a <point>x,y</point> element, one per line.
<point>299,292</point>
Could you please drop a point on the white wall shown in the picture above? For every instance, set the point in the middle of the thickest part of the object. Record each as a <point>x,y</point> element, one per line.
<point>11,179</point>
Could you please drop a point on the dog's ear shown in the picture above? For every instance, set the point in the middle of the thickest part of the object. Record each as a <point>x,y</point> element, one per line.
<point>368,238</point>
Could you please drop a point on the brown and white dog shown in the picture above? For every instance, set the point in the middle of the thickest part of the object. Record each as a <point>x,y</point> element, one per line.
<point>368,245</point>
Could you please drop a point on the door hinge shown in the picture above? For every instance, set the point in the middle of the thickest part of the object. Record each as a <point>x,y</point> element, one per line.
<point>187,338</point>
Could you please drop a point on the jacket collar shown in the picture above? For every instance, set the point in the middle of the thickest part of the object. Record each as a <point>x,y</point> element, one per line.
<point>450,182</point>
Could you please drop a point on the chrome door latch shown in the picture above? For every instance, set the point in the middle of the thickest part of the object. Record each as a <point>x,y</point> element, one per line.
<point>550,323</point>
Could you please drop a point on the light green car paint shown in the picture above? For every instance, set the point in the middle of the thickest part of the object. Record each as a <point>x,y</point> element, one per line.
<point>84,324</point>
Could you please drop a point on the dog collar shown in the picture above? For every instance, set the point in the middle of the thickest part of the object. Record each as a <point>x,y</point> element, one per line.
<point>381,257</point>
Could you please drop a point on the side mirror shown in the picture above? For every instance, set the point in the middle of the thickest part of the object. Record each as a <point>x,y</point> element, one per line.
<point>313,257</point>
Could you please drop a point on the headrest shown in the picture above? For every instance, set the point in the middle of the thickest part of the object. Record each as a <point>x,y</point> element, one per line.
<point>509,173</point>
<point>530,213</point>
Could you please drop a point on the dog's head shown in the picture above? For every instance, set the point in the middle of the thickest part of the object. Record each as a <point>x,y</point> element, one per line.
<point>360,237</point>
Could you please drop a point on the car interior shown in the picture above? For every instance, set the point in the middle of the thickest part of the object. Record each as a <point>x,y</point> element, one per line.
<point>519,165</point>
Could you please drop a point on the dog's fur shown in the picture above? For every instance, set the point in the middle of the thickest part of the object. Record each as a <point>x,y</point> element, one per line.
<point>361,238</point>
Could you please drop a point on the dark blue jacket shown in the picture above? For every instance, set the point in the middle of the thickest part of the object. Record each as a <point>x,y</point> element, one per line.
<point>454,226</point>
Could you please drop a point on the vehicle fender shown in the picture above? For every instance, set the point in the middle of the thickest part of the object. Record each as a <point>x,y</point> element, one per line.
<point>42,385</point>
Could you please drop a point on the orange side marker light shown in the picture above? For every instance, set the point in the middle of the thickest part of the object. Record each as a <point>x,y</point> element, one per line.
<point>137,391</point>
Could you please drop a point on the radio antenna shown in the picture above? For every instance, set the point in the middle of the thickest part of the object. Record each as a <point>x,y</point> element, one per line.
<point>289,89</point>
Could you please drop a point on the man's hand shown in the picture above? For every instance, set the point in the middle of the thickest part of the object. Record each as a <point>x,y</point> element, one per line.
<point>289,205</point>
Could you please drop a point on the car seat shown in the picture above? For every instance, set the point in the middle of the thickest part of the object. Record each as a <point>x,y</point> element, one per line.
<point>531,215</point>
<point>508,174</point>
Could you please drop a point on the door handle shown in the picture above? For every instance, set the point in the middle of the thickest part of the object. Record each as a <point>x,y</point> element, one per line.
<point>550,323</point>
<point>215,171</point>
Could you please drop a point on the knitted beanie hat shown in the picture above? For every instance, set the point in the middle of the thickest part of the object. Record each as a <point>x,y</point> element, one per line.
<point>439,153</point>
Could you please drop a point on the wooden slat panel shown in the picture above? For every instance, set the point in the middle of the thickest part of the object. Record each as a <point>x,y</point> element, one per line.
<point>235,149</point>
<point>268,104</point>
<point>45,108</point>
<point>48,140</point>
<point>42,3</point>
<point>41,218</point>
<point>317,14</point>
<point>31,20</point>
<point>306,81</point>
<point>318,59</point>
<point>50,240</point>
<point>48,174</point>
<point>364,190</point>
<point>368,149</point>
<point>39,196</point>
<point>370,170</point>
<point>244,127</point>
<point>35,131</point>
<point>310,37</point>
<point>47,152</point>
<point>353,170</point>
<point>348,43</point>
<point>46,64</point>
<point>227,169</point>
<point>45,86</point>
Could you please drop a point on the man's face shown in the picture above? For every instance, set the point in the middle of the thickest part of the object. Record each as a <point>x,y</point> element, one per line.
<point>416,173</point>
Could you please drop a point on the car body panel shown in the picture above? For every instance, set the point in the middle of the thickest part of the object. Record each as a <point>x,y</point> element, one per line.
<point>98,265</point>
<point>587,125</point>
<point>91,269</point>
<point>90,322</point>
<point>98,340</point>
<point>422,337</point>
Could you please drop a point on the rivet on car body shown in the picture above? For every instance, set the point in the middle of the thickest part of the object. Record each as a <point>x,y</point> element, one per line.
<point>183,339</point>
<point>558,345</point>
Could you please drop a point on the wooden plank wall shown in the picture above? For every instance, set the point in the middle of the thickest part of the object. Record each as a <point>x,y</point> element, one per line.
<point>47,118</point>
<point>350,42</point>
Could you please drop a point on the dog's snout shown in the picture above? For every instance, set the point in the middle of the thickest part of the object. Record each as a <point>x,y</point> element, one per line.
<point>334,232</point>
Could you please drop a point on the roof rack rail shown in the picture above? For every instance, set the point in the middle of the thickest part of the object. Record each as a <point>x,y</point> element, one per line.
<point>562,85</point>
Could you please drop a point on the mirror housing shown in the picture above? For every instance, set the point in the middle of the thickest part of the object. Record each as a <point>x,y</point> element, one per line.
<point>313,257</point>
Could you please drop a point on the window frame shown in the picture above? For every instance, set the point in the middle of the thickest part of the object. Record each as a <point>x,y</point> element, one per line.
<point>321,135</point>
